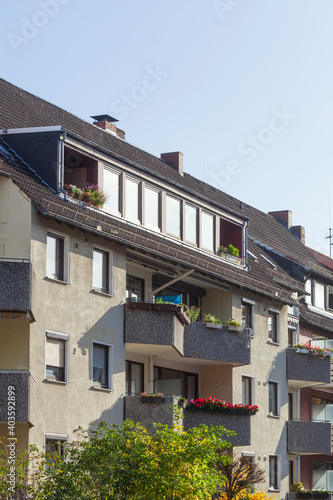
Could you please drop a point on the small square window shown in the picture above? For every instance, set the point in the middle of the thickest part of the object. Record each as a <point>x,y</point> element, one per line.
<point>273,326</point>
<point>54,447</point>
<point>55,257</point>
<point>102,360</point>
<point>56,355</point>
<point>101,270</point>
<point>273,398</point>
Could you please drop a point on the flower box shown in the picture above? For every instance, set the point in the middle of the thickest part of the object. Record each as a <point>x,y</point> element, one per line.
<point>152,399</point>
<point>234,328</point>
<point>213,325</point>
<point>304,494</point>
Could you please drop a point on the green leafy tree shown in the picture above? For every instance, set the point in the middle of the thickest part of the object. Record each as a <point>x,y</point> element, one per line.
<point>126,462</point>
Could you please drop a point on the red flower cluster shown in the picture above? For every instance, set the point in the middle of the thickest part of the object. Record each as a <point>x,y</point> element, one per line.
<point>218,405</point>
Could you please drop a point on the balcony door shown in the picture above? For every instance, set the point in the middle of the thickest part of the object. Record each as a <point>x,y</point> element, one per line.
<point>177,383</point>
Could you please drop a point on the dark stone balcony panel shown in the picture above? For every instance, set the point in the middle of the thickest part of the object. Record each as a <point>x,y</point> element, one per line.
<point>217,344</point>
<point>307,369</point>
<point>22,383</point>
<point>150,412</point>
<point>306,437</point>
<point>241,424</point>
<point>157,324</point>
<point>15,290</point>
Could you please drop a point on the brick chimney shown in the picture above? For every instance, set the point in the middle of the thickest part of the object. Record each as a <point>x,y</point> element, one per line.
<point>284,216</point>
<point>106,122</point>
<point>299,231</point>
<point>175,160</point>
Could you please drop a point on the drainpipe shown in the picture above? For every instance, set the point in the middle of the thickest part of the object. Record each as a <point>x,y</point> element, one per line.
<point>298,468</point>
<point>151,374</point>
<point>61,162</point>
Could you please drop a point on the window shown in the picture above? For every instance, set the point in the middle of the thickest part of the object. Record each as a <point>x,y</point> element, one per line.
<point>173,216</point>
<point>175,382</point>
<point>134,377</point>
<point>102,361</point>
<point>273,406</point>
<point>207,231</point>
<point>152,208</point>
<point>191,224</point>
<point>134,288</point>
<point>101,270</point>
<point>56,356</point>
<point>247,307</point>
<point>132,200</point>
<point>54,446</point>
<point>273,326</point>
<point>111,187</point>
<point>319,295</point>
<point>55,257</point>
<point>290,406</point>
<point>247,390</point>
<point>274,482</point>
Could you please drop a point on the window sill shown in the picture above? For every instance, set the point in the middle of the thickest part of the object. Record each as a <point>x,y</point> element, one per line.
<point>276,417</point>
<point>99,388</point>
<point>271,342</point>
<point>65,283</point>
<point>100,292</point>
<point>53,381</point>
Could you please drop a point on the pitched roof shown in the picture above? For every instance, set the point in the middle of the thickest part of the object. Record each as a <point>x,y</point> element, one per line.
<point>20,109</point>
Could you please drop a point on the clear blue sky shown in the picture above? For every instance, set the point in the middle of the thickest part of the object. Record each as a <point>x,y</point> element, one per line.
<point>242,87</point>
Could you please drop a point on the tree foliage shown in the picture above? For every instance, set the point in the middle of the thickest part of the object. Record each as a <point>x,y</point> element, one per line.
<point>126,462</point>
<point>240,474</point>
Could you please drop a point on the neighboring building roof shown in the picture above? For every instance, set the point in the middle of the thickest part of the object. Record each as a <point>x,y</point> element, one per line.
<point>324,260</point>
<point>319,321</point>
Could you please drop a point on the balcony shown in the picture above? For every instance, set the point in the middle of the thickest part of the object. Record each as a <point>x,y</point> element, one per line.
<point>15,290</point>
<point>151,411</point>
<point>241,424</point>
<point>166,325</point>
<point>305,370</point>
<point>23,385</point>
<point>309,437</point>
<point>159,412</point>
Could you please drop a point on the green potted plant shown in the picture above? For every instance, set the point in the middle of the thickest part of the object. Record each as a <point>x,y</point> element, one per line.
<point>152,398</point>
<point>211,321</point>
<point>233,325</point>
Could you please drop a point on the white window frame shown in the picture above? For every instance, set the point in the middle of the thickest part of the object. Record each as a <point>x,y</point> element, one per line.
<point>179,200</point>
<point>138,183</point>
<point>252,402</point>
<point>49,334</point>
<point>158,191</point>
<point>110,277</point>
<point>54,436</point>
<point>250,303</point>
<point>109,209</point>
<point>65,238</point>
<point>96,385</point>
<point>276,312</point>
<point>212,215</point>
<point>278,398</point>
<point>278,479</point>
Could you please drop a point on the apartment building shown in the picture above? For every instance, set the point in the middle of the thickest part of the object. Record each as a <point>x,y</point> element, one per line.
<point>84,329</point>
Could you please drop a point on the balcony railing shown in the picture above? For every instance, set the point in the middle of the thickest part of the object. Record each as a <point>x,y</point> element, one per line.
<point>159,412</point>
<point>309,437</point>
<point>167,325</point>
<point>15,290</point>
<point>20,385</point>
<point>306,369</point>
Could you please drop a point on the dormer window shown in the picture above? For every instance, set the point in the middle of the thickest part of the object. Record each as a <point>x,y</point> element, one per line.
<point>231,233</point>
<point>207,231</point>
<point>173,218</point>
<point>321,295</point>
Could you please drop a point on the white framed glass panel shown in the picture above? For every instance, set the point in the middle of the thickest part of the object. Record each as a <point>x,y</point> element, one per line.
<point>100,270</point>
<point>207,231</point>
<point>191,224</point>
<point>172,216</point>
<point>151,208</point>
<point>111,181</point>
<point>319,295</point>
<point>308,287</point>
<point>132,200</point>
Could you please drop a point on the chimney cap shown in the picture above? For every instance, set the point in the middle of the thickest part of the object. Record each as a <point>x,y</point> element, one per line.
<point>104,118</point>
